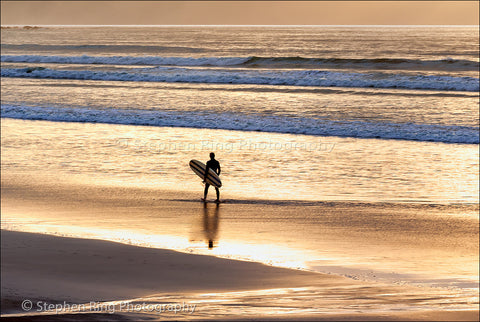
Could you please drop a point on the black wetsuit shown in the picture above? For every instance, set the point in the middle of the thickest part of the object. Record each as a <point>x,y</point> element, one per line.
<point>215,166</point>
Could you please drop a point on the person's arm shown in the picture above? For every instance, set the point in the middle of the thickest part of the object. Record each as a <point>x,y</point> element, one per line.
<point>219,169</point>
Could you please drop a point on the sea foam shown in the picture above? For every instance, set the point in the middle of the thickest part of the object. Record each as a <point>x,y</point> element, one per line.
<point>252,122</point>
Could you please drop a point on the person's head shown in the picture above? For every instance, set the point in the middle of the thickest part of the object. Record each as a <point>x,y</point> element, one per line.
<point>212,155</point>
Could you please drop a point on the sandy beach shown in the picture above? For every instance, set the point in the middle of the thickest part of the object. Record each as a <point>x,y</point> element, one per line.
<point>49,268</point>
<point>56,270</point>
<point>59,270</point>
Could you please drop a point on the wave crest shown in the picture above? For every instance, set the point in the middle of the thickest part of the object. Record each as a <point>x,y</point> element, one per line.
<point>446,64</point>
<point>260,122</point>
<point>317,78</point>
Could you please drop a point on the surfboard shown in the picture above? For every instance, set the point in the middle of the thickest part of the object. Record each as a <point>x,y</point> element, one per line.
<point>199,168</point>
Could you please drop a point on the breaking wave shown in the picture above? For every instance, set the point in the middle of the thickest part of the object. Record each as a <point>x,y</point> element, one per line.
<point>289,77</point>
<point>241,122</point>
<point>447,64</point>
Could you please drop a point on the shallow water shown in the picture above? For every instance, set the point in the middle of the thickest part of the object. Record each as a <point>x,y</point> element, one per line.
<point>254,165</point>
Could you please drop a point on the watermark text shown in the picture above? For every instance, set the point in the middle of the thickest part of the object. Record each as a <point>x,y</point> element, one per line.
<point>109,307</point>
<point>227,147</point>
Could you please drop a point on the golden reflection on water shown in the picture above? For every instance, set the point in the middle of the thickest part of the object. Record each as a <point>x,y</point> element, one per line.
<point>211,219</point>
<point>254,165</point>
<point>311,302</point>
<point>267,253</point>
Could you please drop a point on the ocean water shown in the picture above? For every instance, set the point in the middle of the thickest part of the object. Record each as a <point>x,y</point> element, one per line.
<point>297,116</point>
<point>350,113</point>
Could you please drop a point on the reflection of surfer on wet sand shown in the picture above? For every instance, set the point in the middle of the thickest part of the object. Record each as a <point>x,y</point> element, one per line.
<point>210,224</point>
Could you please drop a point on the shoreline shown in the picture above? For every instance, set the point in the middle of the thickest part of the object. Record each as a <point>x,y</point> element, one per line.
<point>330,181</point>
<point>18,186</point>
<point>55,269</point>
<point>84,270</point>
<point>44,265</point>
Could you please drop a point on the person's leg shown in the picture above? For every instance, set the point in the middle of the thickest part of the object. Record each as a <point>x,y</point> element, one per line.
<point>218,193</point>
<point>206,191</point>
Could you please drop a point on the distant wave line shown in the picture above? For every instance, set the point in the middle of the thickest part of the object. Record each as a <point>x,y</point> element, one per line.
<point>316,78</point>
<point>251,61</point>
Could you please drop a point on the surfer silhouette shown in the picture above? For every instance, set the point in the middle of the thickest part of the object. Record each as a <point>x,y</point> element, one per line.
<point>215,166</point>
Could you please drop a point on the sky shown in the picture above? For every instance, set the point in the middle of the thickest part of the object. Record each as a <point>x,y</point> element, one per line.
<point>239,12</point>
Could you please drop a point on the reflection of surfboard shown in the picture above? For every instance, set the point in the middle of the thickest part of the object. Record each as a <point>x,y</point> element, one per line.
<point>199,168</point>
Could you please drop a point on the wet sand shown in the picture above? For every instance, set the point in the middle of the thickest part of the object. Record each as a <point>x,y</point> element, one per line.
<point>54,269</point>
<point>37,266</point>
<point>51,269</point>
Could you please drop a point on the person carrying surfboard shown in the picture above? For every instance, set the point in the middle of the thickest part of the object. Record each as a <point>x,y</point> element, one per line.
<point>215,166</point>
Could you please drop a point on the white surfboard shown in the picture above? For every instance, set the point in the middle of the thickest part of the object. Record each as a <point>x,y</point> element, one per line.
<point>212,178</point>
